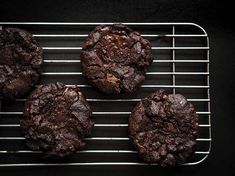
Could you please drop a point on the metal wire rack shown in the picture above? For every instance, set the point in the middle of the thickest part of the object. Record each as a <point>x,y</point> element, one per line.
<point>181,65</point>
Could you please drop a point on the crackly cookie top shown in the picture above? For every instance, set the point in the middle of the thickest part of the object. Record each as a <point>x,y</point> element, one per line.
<point>56,119</point>
<point>115,58</point>
<point>20,61</point>
<point>164,128</point>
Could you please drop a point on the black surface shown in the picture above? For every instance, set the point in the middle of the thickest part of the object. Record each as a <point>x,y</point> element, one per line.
<point>212,15</point>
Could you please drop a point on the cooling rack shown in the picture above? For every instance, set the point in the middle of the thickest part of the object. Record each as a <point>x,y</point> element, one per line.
<point>181,65</point>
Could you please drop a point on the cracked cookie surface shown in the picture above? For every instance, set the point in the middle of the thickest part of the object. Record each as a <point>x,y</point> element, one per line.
<point>56,120</point>
<point>20,61</point>
<point>115,58</point>
<point>164,128</point>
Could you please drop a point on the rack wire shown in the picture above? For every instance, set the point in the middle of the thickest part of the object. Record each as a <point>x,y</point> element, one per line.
<point>181,65</point>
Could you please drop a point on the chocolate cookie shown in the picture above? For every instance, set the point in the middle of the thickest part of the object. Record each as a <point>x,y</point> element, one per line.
<point>56,120</point>
<point>115,58</point>
<point>20,61</point>
<point>164,129</point>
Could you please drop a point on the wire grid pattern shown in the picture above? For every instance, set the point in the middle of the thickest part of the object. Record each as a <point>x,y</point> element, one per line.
<point>176,73</point>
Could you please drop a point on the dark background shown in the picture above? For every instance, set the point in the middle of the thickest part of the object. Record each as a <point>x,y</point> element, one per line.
<point>215,16</point>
